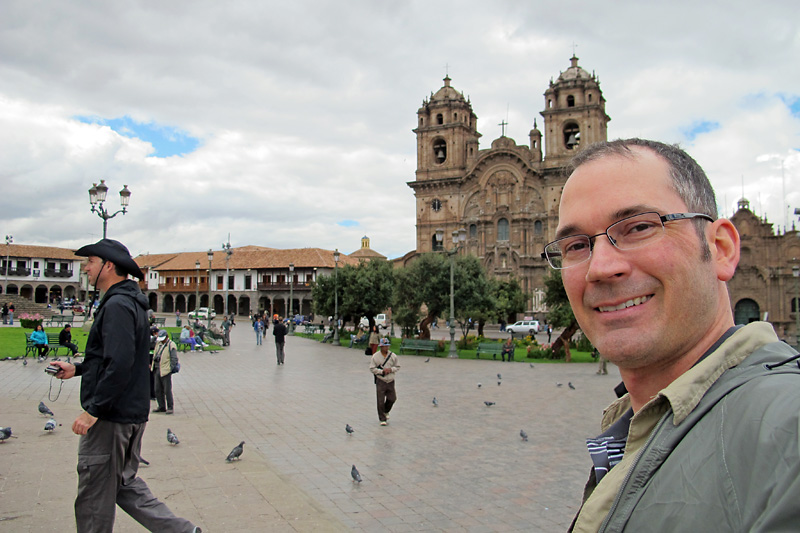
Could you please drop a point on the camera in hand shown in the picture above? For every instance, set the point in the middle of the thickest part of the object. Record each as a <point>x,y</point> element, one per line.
<point>52,369</point>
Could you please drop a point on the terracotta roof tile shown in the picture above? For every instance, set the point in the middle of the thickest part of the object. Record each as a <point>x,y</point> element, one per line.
<point>45,252</point>
<point>244,257</point>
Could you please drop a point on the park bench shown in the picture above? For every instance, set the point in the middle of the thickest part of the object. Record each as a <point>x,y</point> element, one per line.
<point>160,321</point>
<point>489,348</point>
<point>419,345</point>
<point>59,320</point>
<point>176,338</point>
<point>358,341</point>
<point>52,344</point>
<point>310,329</point>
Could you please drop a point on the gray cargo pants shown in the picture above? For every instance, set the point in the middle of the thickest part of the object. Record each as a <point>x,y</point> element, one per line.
<point>108,459</point>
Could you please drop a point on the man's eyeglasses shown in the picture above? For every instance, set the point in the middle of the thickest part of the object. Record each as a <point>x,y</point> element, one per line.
<point>626,234</point>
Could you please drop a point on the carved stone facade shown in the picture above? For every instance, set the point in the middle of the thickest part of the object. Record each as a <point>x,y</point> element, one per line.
<point>506,196</point>
<point>763,287</point>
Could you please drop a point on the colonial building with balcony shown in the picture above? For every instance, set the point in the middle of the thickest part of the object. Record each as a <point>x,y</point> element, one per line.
<point>40,273</point>
<point>249,279</point>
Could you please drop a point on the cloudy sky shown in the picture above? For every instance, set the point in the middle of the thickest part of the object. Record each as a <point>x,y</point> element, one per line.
<point>288,124</point>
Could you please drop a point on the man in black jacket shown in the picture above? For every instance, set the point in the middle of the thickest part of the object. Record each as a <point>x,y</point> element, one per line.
<point>115,390</point>
<point>279,330</point>
<point>65,339</point>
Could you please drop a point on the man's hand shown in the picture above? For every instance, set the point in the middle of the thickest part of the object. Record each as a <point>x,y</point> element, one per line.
<point>387,371</point>
<point>67,369</point>
<point>83,423</point>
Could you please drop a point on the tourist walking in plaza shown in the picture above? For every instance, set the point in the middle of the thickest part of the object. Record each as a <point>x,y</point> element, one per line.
<point>279,331</point>
<point>374,338</point>
<point>114,397</point>
<point>258,326</point>
<point>165,363</point>
<point>226,331</point>
<point>384,366</point>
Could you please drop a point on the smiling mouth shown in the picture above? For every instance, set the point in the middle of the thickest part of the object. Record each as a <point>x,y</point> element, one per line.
<point>624,305</point>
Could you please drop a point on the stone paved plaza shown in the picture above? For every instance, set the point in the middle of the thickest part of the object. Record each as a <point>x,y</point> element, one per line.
<point>458,467</point>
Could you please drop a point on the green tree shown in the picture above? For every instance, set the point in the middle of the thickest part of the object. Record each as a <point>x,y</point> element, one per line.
<point>559,312</point>
<point>509,299</point>
<point>364,290</point>
<point>427,282</point>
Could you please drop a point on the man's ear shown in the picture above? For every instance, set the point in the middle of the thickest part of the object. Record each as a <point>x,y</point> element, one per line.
<point>724,244</point>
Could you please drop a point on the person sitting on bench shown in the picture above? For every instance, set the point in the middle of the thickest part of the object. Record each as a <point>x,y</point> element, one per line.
<point>65,339</point>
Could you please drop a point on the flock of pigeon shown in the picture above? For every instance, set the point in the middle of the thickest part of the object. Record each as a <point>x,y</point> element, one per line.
<point>51,424</point>
<point>356,475</point>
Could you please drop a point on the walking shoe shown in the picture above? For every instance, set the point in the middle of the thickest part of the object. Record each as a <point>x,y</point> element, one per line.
<point>159,410</point>
<point>169,411</point>
<point>384,422</point>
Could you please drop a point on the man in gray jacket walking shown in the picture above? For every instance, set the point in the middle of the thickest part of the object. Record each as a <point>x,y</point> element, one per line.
<point>705,438</point>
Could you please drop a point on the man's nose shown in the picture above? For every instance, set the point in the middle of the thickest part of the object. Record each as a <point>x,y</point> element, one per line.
<point>606,261</point>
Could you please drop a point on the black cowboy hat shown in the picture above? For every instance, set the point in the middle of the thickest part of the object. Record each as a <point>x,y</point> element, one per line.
<point>113,251</point>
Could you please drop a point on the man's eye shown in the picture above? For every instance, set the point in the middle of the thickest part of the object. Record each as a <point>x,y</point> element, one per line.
<point>575,247</point>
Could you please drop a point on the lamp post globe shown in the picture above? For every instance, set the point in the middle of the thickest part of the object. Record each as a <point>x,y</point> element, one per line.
<point>290,313</point>
<point>336,298</point>
<point>97,198</point>
<point>210,301</point>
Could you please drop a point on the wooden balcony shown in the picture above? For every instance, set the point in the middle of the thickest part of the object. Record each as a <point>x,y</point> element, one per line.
<point>284,286</point>
<point>202,288</point>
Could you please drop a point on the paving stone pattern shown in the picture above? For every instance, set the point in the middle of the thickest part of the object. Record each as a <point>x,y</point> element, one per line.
<point>461,466</point>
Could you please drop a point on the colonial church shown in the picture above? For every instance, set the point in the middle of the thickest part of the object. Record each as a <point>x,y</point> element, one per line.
<point>505,197</point>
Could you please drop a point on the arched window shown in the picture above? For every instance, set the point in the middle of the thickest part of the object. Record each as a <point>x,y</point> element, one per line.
<point>502,229</point>
<point>570,101</point>
<point>589,97</point>
<point>794,305</point>
<point>440,119</point>
<point>473,231</point>
<point>421,122</point>
<point>537,227</point>
<point>455,117</point>
<point>572,135</point>
<point>439,151</point>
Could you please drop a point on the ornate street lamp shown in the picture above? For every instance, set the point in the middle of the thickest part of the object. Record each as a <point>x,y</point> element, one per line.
<point>97,196</point>
<point>210,306</point>
<point>336,298</point>
<point>196,286</point>
<point>796,274</point>
<point>9,241</point>
<point>459,236</point>
<point>291,299</point>
<point>226,247</point>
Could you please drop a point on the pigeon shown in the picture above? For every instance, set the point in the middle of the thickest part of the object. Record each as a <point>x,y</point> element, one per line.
<point>489,404</point>
<point>236,452</point>
<point>571,386</point>
<point>45,410</point>
<point>172,438</point>
<point>349,429</point>
<point>498,383</point>
<point>531,364</point>
<point>4,434</point>
<point>355,474</point>
<point>25,362</point>
<point>558,384</point>
<point>50,425</point>
<point>479,385</point>
<point>499,376</point>
<point>523,435</point>
<point>428,360</point>
<point>435,402</point>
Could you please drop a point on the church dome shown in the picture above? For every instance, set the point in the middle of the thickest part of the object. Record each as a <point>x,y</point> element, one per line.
<point>574,72</point>
<point>447,93</point>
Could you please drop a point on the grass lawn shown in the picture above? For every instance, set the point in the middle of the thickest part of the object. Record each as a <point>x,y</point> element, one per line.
<point>12,340</point>
<point>519,353</point>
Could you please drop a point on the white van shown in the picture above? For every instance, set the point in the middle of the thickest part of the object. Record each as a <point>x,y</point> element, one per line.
<point>380,321</point>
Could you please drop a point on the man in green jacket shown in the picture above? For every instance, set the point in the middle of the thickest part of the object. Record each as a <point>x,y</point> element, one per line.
<point>705,438</point>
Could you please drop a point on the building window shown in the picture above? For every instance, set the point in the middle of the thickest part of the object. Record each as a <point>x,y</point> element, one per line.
<point>421,122</point>
<point>572,135</point>
<point>230,283</point>
<point>502,229</point>
<point>248,282</point>
<point>589,97</point>
<point>537,227</point>
<point>794,305</point>
<point>570,101</point>
<point>549,103</point>
<point>455,117</point>
<point>440,151</point>
<point>440,119</point>
<point>473,231</point>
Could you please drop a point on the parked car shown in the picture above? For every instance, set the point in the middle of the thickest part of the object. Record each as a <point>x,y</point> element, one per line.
<point>526,327</point>
<point>202,313</point>
<point>380,320</point>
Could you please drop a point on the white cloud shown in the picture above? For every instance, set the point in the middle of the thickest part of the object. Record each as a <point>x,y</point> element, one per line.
<point>305,110</point>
